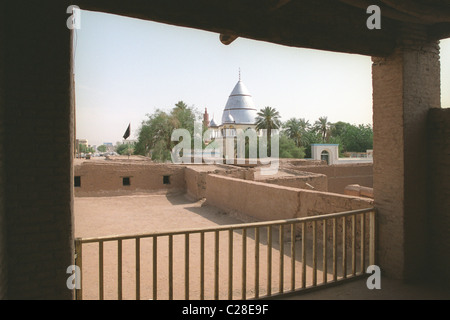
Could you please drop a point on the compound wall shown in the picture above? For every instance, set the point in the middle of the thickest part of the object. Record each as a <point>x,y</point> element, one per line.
<point>260,201</point>
<point>107,179</point>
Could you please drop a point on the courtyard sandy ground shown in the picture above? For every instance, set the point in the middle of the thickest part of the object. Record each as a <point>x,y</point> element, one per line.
<point>143,214</point>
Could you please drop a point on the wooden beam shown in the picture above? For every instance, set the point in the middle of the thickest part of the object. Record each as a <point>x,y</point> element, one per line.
<point>429,13</point>
<point>308,23</point>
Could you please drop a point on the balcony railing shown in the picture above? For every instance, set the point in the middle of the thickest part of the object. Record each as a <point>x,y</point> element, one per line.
<point>242,261</point>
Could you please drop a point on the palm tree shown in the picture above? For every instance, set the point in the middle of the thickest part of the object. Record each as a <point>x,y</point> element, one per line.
<point>293,130</point>
<point>323,126</point>
<point>268,118</point>
<point>296,130</point>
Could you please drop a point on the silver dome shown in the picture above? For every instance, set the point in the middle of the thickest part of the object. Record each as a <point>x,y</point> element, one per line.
<point>240,106</point>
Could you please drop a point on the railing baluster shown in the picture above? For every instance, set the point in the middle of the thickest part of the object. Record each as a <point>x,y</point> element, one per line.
<point>100,270</point>
<point>79,264</point>
<point>344,248</point>
<point>281,240</point>
<point>303,255</point>
<point>138,268</point>
<point>314,253</point>
<point>324,251</point>
<point>334,249</point>
<point>256,262</point>
<point>353,245</point>
<point>363,242</point>
<point>372,238</point>
<point>186,266</point>
<point>355,224</point>
<point>119,269</point>
<point>269,260</point>
<point>292,256</point>
<point>202,265</point>
<point>216,265</point>
<point>170,271</point>
<point>230,264</point>
<point>155,267</point>
<point>244,263</point>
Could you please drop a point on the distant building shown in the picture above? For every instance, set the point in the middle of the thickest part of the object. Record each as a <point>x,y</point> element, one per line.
<point>239,113</point>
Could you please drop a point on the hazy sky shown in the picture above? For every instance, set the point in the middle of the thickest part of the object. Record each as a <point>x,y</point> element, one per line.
<point>126,68</point>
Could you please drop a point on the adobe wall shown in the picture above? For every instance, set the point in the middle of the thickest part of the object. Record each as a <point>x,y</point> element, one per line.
<point>311,181</point>
<point>195,177</point>
<point>341,175</point>
<point>439,193</point>
<point>261,201</point>
<point>105,178</point>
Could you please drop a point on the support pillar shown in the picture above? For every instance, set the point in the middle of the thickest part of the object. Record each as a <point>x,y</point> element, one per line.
<point>37,155</point>
<point>406,85</point>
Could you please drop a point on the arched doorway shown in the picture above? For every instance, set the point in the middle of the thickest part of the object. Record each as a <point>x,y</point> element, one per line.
<point>325,156</point>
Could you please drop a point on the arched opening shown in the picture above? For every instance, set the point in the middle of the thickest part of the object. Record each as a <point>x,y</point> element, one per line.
<point>325,155</point>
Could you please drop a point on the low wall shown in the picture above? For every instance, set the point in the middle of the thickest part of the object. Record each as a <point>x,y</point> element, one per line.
<point>106,179</point>
<point>195,177</point>
<point>251,200</point>
<point>341,175</point>
<point>309,181</point>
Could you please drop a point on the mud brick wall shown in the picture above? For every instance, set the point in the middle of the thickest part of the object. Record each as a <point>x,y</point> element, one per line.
<point>262,201</point>
<point>341,175</point>
<point>106,179</point>
<point>439,193</point>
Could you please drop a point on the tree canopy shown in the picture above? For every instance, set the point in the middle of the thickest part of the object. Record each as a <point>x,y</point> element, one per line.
<point>155,132</point>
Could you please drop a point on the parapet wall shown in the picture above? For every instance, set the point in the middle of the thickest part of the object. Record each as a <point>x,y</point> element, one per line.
<point>310,181</point>
<point>252,200</point>
<point>341,175</point>
<point>107,178</point>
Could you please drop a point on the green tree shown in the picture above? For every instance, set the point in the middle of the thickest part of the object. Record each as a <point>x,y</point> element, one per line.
<point>125,148</point>
<point>155,133</point>
<point>295,129</point>
<point>101,148</point>
<point>288,148</point>
<point>323,126</point>
<point>268,118</point>
<point>85,149</point>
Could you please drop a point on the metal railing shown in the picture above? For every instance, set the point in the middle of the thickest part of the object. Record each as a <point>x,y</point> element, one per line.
<point>221,262</point>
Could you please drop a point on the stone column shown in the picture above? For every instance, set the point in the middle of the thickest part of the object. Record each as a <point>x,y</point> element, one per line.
<point>406,85</point>
<point>37,157</point>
